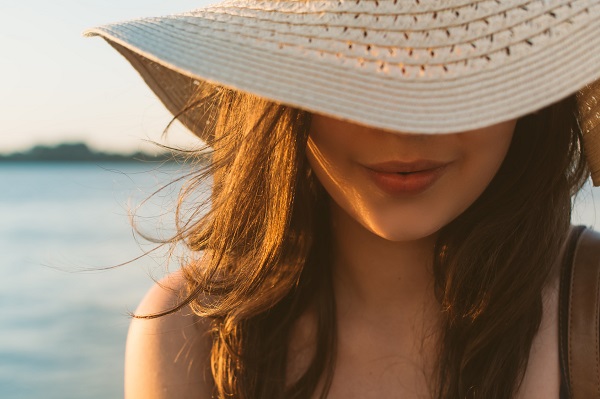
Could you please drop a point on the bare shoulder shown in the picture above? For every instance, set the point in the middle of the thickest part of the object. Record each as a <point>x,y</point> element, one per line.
<point>167,357</point>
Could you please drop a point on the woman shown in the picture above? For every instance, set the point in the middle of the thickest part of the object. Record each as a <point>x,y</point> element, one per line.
<point>390,196</point>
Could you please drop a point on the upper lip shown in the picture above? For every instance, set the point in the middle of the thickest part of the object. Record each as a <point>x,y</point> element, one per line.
<point>406,167</point>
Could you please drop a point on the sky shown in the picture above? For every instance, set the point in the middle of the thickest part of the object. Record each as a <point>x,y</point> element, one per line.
<point>57,86</point>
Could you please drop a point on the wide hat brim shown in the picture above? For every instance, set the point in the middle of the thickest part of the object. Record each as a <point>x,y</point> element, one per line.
<point>418,66</point>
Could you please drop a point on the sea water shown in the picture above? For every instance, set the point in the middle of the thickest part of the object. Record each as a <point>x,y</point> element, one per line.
<point>63,323</point>
<point>62,326</point>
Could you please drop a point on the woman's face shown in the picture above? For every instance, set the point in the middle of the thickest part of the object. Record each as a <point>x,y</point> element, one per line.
<point>404,186</point>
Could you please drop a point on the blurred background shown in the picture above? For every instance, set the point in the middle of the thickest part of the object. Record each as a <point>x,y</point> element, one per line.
<point>75,119</point>
<point>72,113</point>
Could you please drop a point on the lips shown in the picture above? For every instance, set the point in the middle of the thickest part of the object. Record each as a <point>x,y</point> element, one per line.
<point>406,178</point>
<point>406,167</point>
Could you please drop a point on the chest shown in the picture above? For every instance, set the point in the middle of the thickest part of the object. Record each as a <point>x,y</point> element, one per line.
<point>366,375</point>
<point>371,365</point>
<point>380,376</point>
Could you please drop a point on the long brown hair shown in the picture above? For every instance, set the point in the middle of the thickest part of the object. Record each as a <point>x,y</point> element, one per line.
<point>263,252</point>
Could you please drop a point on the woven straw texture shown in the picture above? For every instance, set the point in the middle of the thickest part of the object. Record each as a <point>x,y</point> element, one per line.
<point>416,66</point>
<point>589,109</point>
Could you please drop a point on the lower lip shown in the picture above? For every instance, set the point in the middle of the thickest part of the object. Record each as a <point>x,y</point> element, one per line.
<point>408,184</point>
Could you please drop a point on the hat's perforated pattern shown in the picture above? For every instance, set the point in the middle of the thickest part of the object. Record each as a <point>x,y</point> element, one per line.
<point>422,66</point>
<point>412,39</point>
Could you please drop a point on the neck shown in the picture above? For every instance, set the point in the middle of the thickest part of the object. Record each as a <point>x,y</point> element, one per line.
<point>376,276</point>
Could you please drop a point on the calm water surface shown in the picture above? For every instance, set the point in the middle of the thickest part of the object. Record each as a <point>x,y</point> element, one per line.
<point>62,331</point>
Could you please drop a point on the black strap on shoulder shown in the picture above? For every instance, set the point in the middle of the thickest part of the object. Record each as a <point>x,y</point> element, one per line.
<point>579,325</point>
<point>565,277</point>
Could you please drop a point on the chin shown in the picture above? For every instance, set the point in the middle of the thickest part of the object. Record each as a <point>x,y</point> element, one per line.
<point>406,231</point>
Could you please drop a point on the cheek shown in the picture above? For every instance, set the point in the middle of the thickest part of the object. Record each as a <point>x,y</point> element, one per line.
<point>331,162</point>
<point>484,154</point>
<point>481,155</point>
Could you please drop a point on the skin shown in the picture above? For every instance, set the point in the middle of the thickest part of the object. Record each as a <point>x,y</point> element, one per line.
<point>382,272</point>
<point>473,159</point>
<point>167,357</point>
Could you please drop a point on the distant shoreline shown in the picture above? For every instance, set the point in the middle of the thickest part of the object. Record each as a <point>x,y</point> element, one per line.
<point>79,152</point>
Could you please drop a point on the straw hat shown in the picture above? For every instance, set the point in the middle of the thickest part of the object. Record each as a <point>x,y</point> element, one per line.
<point>417,66</point>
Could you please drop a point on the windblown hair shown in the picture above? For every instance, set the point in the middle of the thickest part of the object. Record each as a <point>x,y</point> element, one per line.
<point>265,252</point>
